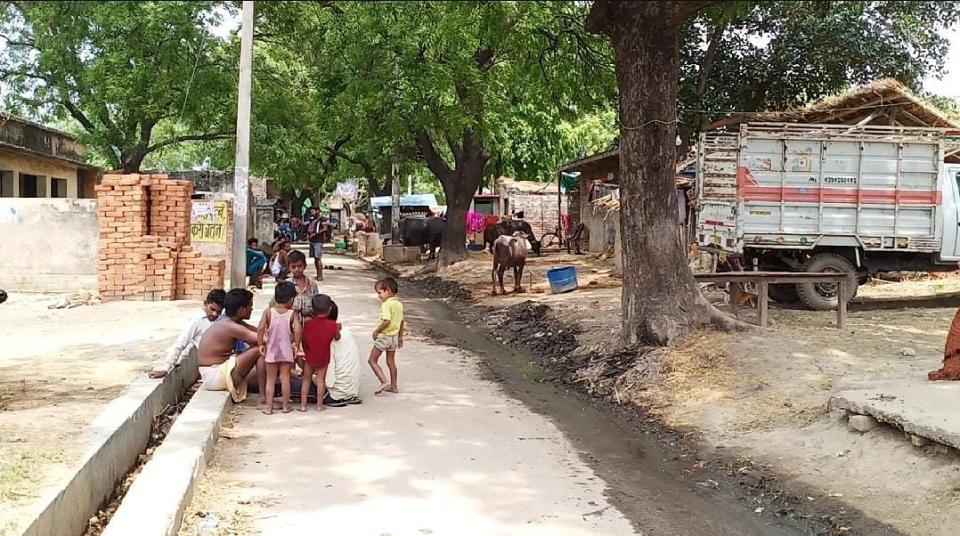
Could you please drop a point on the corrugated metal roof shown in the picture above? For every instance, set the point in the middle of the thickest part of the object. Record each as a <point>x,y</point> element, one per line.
<point>415,200</point>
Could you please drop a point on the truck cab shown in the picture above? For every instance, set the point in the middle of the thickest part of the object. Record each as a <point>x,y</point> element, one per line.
<point>950,184</point>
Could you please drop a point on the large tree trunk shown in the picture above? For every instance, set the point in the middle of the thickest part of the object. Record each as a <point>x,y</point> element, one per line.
<point>132,162</point>
<point>374,189</point>
<point>463,184</point>
<point>661,301</point>
<point>459,186</point>
<point>299,199</point>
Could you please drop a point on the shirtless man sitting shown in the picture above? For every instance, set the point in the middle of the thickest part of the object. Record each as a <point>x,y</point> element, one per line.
<point>221,367</point>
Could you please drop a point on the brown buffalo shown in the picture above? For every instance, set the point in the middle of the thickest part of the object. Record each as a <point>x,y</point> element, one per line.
<point>509,252</point>
<point>508,227</point>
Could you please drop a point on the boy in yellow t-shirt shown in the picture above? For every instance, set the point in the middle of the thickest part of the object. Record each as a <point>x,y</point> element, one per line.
<point>388,337</point>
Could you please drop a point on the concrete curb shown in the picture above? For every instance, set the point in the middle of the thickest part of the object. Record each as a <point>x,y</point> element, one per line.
<point>155,502</point>
<point>116,438</point>
<point>924,409</point>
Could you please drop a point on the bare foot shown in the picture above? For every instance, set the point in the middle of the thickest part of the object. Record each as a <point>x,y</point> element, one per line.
<point>287,409</point>
<point>383,387</point>
<point>268,411</point>
<point>262,404</point>
<point>393,389</point>
<point>302,408</point>
<point>321,407</point>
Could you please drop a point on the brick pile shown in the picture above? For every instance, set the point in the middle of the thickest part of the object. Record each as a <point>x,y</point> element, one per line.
<point>196,275</point>
<point>144,246</point>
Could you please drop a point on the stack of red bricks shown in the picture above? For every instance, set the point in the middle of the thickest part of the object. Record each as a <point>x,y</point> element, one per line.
<point>144,247</point>
<point>196,275</point>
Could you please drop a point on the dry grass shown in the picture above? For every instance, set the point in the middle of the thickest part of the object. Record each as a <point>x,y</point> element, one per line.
<point>695,374</point>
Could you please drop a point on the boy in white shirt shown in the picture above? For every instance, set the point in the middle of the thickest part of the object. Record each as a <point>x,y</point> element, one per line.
<point>189,338</point>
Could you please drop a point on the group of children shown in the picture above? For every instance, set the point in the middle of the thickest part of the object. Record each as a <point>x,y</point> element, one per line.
<point>300,327</point>
<point>298,330</point>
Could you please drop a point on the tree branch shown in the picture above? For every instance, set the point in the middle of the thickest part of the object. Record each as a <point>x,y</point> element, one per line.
<point>337,152</point>
<point>332,7</point>
<point>4,74</point>
<point>430,155</point>
<point>78,114</point>
<point>192,137</point>
<point>607,16</point>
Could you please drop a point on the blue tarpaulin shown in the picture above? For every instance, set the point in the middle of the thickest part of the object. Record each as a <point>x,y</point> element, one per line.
<point>416,200</point>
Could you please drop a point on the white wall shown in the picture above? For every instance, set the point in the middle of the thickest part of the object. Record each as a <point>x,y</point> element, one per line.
<point>48,245</point>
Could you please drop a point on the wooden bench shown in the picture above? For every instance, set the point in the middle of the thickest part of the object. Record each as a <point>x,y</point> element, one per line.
<point>764,279</point>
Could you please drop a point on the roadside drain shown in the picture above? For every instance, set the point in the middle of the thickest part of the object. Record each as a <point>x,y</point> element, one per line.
<point>158,431</point>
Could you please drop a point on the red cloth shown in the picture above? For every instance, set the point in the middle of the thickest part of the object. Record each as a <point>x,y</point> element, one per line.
<point>490,219</point>
<point>318,334</point>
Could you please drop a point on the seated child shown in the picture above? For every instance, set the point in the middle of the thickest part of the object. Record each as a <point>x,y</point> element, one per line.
<point>189,338</point>
<point>319,332</point>
<point>343,374</point>
<point>279,263</point>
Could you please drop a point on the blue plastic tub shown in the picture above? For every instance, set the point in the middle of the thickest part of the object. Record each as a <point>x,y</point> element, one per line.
<point>562,279</point>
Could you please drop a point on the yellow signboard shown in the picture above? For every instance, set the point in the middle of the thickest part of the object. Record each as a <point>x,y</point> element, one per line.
<point>208,221</point>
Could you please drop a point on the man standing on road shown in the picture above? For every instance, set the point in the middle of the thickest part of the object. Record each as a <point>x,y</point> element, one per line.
<point>221,367</point>
<point>318,231</point>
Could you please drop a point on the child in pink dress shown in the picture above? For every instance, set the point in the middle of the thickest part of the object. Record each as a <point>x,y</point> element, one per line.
<point>279,339</point>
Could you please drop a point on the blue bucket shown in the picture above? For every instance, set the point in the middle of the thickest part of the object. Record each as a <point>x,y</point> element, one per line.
<point>562,279</point>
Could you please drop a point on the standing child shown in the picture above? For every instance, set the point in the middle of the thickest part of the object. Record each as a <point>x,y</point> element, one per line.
<point>279,338</point>
<point>306,287</point>
<point>319,333</point>
<point>388,337</point>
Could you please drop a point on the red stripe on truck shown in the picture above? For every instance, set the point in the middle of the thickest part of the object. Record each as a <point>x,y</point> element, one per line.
<point>749,190</point>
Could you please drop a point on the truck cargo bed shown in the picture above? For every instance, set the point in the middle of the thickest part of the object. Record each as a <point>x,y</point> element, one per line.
<point>794,186</point>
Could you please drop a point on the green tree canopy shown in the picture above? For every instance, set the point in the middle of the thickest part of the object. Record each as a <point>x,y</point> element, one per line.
<point>783,54</point>
<point>136,76</point>
<point>453,85</point>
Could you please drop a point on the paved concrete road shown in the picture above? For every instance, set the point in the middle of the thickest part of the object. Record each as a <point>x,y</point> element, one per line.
<point>452,454</point>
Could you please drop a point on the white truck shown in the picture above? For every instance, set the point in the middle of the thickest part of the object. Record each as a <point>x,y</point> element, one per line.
<point>821,198</point>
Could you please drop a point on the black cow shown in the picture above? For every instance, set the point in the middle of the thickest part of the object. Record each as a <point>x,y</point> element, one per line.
<point>509,227</point>
<point>423,232</point>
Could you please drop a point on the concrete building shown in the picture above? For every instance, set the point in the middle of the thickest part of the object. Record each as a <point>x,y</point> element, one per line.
<point>41,162</point>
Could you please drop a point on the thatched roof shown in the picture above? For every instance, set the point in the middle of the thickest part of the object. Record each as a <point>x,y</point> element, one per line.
<point>882,102</point>
<point>530,187</point>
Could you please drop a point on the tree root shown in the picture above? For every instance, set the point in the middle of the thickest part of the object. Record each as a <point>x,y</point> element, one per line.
<point>721,320</point>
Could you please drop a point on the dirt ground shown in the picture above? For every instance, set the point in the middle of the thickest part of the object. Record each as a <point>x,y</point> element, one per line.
<point>451,454</point>
<point>762,394</point>
<point>58,369</point>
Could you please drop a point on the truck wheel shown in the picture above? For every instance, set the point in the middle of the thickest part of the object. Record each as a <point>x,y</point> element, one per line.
<point>783,293</point>
<point>823,296</point>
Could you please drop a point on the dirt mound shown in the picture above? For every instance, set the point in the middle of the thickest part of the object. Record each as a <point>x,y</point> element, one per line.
<point>445,289</point>
<point>530,326</point>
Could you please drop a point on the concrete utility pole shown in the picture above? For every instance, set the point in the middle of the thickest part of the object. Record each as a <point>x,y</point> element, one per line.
<point>395,210</point>
<point>241,167</point>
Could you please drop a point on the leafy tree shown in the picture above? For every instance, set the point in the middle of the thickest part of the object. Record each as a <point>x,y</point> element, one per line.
<point>813,49</point>
<point>453,85</point>
<point>126,72</point>
<point>784,54</point>
<point>661,301</point>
